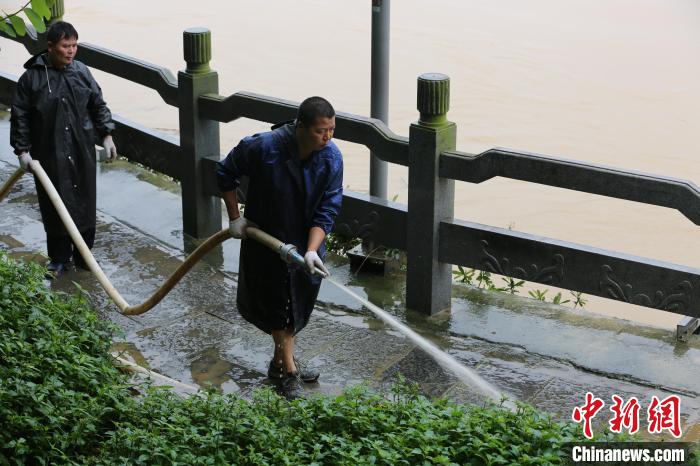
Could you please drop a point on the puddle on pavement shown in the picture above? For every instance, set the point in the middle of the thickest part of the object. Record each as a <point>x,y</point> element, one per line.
<point>128,351</point>
<point>210,370</point>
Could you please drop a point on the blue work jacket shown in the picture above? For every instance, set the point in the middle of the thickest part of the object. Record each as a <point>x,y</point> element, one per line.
<point>285,198</point>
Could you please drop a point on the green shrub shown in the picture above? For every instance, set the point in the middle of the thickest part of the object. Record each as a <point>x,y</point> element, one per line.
<point>63,402</point>
<point>359,427</point>
<point>340,244</point>
<point>58,386</point>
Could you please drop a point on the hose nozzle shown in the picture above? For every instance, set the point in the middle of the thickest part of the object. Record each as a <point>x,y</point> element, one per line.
<point>289,254</point>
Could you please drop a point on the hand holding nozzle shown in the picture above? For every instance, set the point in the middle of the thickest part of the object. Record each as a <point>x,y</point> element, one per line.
<point>289,254</point>
<point>314,264</point>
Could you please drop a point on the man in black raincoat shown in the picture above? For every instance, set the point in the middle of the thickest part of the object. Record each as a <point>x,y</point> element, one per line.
<point>57,115</point>
<point>294,193</point>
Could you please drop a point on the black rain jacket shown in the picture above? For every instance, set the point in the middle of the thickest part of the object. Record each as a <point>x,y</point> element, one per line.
<point>57,117</point>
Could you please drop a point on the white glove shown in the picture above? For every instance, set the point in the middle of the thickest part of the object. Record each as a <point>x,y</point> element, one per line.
<point>237,227</point>
<point>109,148</point>
<point>315,264</point>
<point>24,159</point>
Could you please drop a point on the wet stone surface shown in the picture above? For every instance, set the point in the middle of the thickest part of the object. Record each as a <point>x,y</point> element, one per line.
<point>542,354</point>
<point>417,365</point>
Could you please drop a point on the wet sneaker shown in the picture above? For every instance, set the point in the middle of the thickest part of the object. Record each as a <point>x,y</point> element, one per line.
<point>306,373</point>
<point>292,386</point>
<point>55,269</point>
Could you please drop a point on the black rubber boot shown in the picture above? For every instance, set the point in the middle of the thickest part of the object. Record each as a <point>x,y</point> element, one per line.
<point>306,373</point>
<point>292,386</point>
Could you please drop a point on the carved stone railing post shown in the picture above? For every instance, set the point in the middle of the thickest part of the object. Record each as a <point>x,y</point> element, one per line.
<point>430,198</point>
<point>199,137</point>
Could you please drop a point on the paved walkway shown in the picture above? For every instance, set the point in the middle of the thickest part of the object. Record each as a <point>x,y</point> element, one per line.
<point>547,355</point>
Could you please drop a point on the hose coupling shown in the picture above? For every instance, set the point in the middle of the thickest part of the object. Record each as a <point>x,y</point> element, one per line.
<point>287,252</point>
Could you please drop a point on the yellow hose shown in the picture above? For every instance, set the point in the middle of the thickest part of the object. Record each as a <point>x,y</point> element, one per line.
<point>14,178</point>
<point>180,272</point>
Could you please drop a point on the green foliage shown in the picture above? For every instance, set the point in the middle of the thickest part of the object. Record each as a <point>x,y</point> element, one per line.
<point>578,299</point>
<point>463,275</point>
<point>512,284</point>
<point>340,244</point>
<point>18,25</point>
<point>63,402</point>
<point>482,279</point>
<point>538,294</point>
<point>557,299</point>
<point>358,427</point>
<point>36,12</point>
<point>58,386</point>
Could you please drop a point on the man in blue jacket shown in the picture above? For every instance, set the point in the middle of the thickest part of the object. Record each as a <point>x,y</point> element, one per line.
<point>294,193</point>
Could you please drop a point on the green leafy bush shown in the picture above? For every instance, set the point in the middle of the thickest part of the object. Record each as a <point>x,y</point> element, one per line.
<point>359,427</point>
<point>63,402</point>
<point>340,244</point>
<point>58,386</point>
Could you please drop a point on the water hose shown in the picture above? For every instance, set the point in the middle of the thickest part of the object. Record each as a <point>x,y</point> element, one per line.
<point>14,178</point>
<point>159,378</point>
<point>287,252</point>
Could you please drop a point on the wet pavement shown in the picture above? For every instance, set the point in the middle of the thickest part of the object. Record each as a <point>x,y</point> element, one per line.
<point>546,355</point>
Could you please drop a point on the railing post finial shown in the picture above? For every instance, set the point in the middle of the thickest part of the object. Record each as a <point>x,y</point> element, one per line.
<point>197,49</point>
<point>433,98</point>
<point>430,197</point>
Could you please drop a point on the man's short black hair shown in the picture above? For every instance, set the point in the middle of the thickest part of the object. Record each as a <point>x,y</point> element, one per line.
<point>312,108</point>
<point>60,30</point>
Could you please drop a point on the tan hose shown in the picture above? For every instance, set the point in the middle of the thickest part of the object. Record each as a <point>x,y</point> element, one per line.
<point>180,272</point>
<point>271,242</point>
<point>262,237</point>
<point>5,190</point>
<point>133,367</point>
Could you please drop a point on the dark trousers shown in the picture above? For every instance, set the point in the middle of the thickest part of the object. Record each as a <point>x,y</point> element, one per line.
<point>61,248</point>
